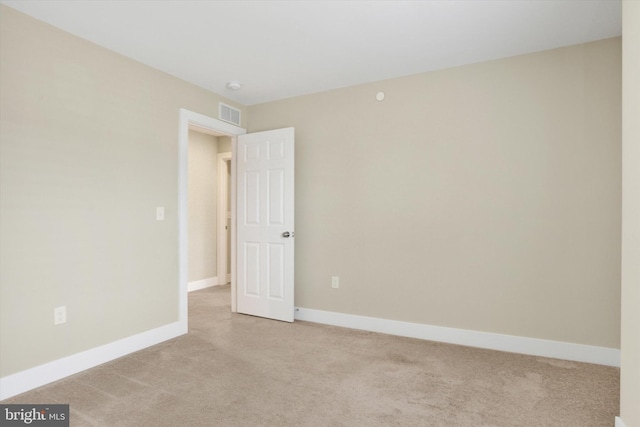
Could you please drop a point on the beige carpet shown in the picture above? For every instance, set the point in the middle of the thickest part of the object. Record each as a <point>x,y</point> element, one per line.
<point>235,370</point>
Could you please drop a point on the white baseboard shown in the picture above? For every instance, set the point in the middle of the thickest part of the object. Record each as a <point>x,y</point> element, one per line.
<point>620,423</point>
<point>514,344</point>
<point>29,379</point>
<point>202,284</point>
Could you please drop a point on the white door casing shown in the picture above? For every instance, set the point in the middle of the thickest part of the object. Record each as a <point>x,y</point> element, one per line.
<point>201,123</point>
<point>265,224</point>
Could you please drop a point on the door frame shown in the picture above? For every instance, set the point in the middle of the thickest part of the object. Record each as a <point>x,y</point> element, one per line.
<point>201,123</point>
<point>224,168</point>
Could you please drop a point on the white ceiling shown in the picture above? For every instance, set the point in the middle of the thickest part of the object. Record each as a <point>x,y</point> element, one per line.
<point>280,49</point>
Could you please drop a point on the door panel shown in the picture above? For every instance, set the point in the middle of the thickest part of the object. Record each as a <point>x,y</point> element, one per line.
<point>252,268</point>
<point>276,268</point>
<point>276,197</point>
<point>252,198</point>
<point>265,202</point>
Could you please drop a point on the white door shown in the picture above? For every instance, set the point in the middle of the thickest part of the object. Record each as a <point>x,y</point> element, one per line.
<point>265,226</point>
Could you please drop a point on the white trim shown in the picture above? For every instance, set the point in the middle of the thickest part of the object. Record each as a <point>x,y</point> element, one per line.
<point>619,422</point>
<point>209,124</point>
<point>224,164</point>
<point>196,285</point>
<point>493,341</point>
<point>232,279</point>
<point>189,119</point>
<point>29,379</point>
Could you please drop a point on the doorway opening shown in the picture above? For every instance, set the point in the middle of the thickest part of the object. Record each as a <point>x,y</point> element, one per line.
<point>209,217</point>
<point>190,120</point>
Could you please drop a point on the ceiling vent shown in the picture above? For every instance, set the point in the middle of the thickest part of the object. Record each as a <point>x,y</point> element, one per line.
<point>229,114</point>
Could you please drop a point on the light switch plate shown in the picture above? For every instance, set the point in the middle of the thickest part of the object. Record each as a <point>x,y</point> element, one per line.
<point>60,315</point>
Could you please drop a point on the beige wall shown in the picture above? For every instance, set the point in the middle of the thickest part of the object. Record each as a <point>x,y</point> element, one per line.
<point>485,197</point>
<point>224,144</point>
<point>203,158</point>
<point>630,348</point>
<point>88,151</point>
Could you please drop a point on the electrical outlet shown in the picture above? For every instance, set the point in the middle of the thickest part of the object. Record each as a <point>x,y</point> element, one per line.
<point>335,282</point>
<point>60,315</point>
